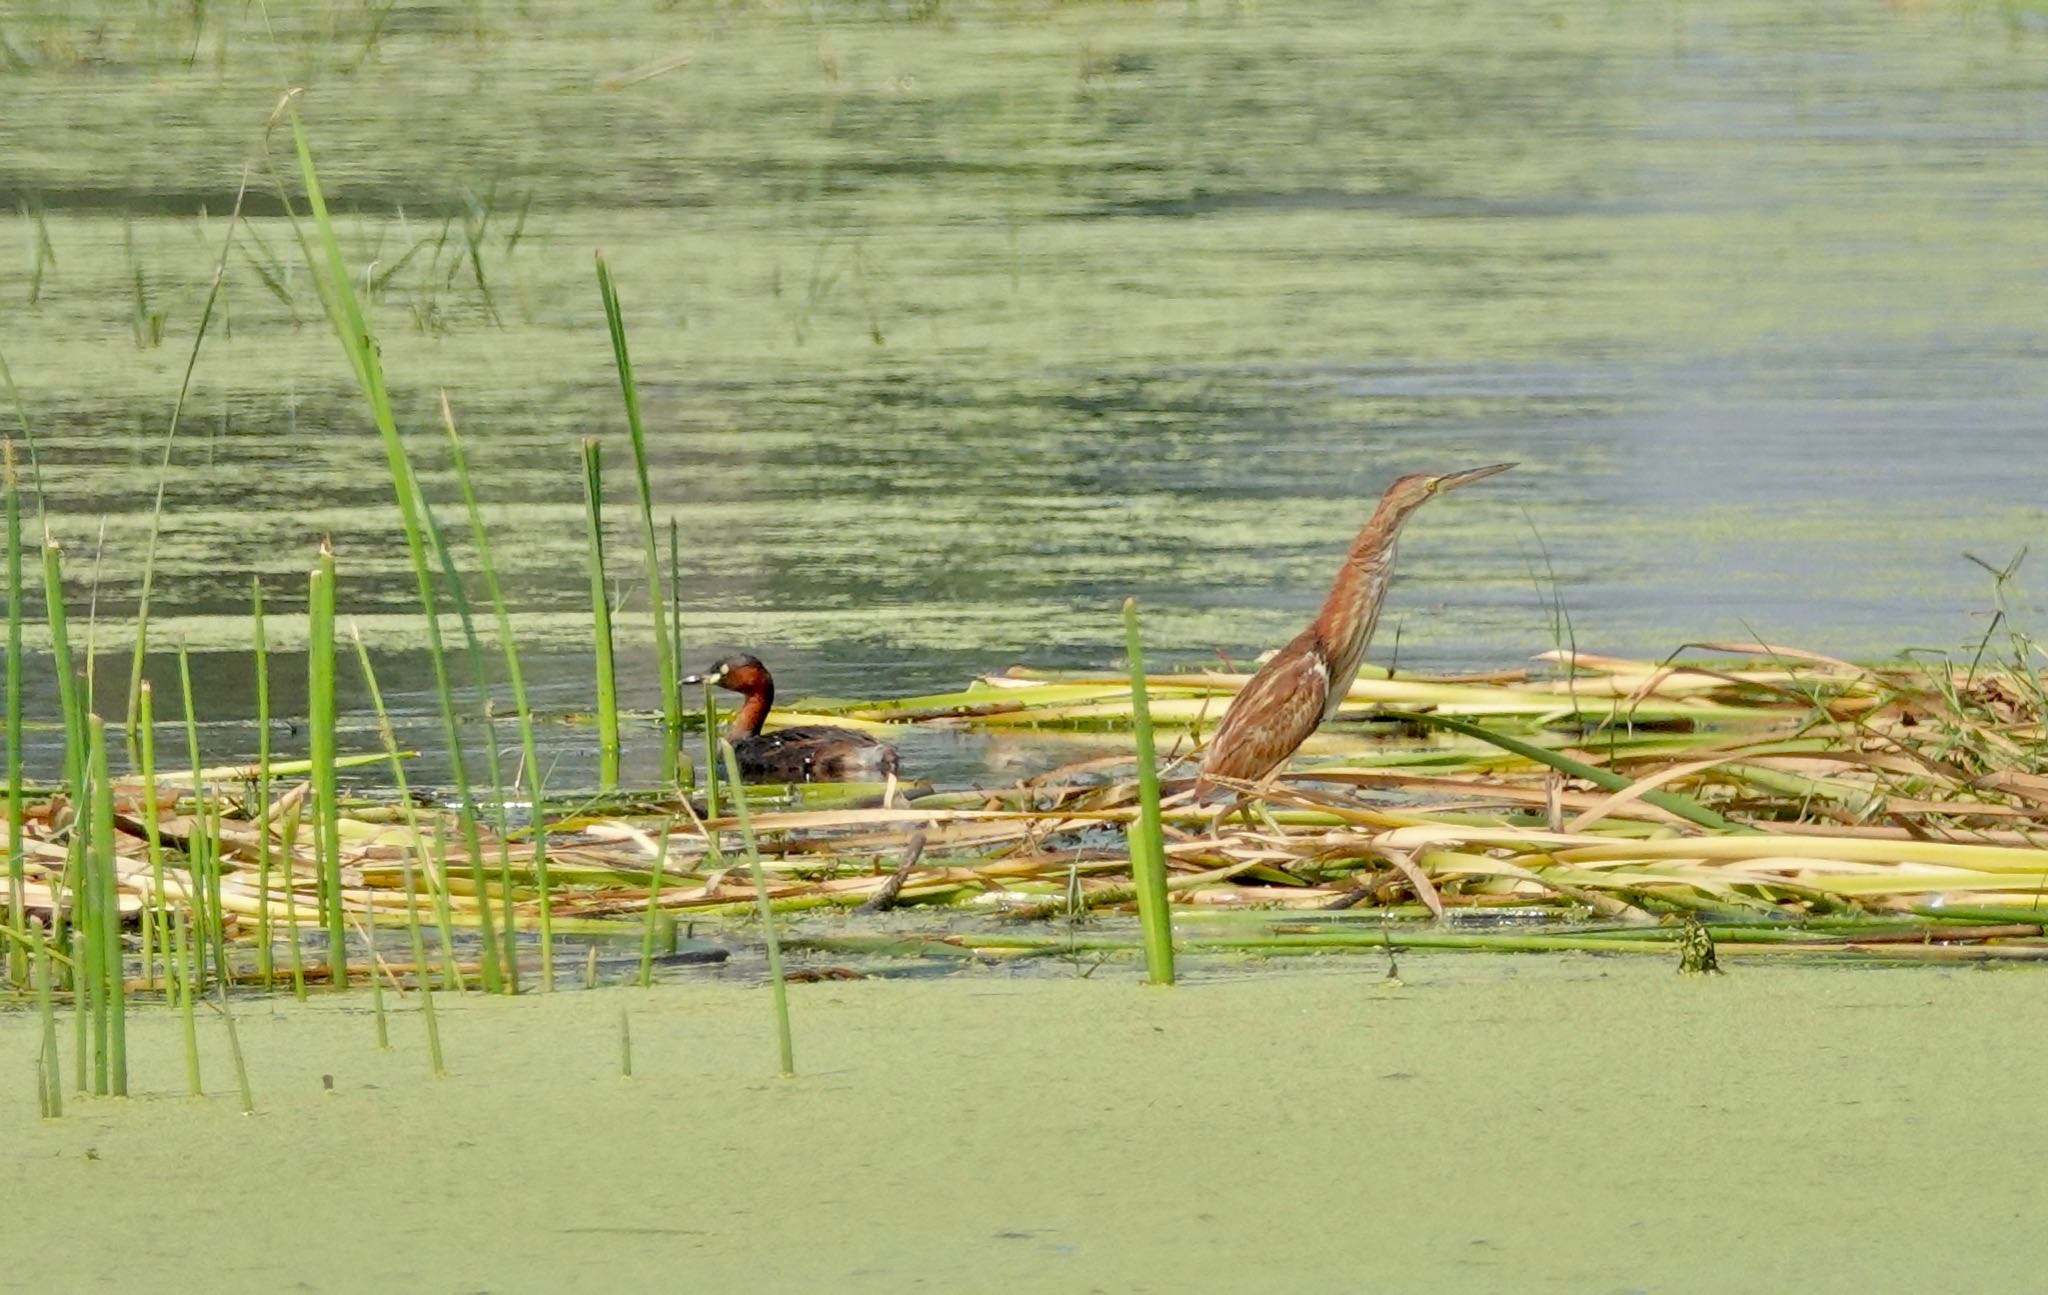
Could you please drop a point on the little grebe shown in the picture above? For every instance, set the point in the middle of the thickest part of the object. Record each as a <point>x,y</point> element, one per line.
<point>807,753</point>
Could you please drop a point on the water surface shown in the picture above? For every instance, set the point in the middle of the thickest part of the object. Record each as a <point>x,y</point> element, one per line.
<point>959,323</point>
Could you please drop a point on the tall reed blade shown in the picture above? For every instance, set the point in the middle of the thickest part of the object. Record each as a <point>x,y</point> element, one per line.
<point>17,883</point>
<point>209,926</point>
<point>156,920</point>
<point>601,619</point>
<point>529,751</point>
<point>493,766</point>
<point>163,471</point>
<point>684,773</point>
<point>186,959</point>
<point>46,1007</point>
<point>359,345</point>
<point>321,716</point>
<point>74,726</point>
<point>776,982</point>
<point>671,682</point>
<point>106,910</point>
<point>1148,841</point>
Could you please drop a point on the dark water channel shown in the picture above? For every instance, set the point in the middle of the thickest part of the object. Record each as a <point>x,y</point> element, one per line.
<point>959,323</point>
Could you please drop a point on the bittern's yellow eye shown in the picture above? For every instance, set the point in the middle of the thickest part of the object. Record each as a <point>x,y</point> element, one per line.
<point>1433,483</point>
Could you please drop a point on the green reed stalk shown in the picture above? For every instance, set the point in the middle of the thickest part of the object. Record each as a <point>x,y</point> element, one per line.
<point>654,906</point>
<point>493,769</point>
<point>187,959</point>
<point>529,750</point>
<point>711,762</point>
<point>163,471</point>
<point>601,616</point>
<point>203,854</point>
<point>113,995</point>
<point>227,1018</point>
<point>295,954</point>
<point>389,736</point>
<point>266,967</point>
<point>1148,837</point>
<point>419,964</point>
<point>74,724</point>
<point>156,918</point>
<point>665,655</point>
<point>412,821</point>
<point>17,878</point>
<point>326,792</point>
<point>444,913</point>
<point>369,930</point>
<point>46,1008</point>
<point>81,1016</point>
<point>359,344</point>
<point>1606,779</point>
<point>760,876</point>
<point>684,773</point>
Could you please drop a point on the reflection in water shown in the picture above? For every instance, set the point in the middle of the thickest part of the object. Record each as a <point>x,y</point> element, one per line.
<point>953,333</point>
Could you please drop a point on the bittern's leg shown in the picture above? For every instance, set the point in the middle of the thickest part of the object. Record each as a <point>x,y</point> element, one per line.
<point>1266,810</point>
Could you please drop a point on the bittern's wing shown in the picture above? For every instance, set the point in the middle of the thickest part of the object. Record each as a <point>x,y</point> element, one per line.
<point>1274,714</point>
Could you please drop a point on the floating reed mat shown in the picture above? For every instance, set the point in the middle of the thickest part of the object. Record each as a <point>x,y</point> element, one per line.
<point>1794,804</point>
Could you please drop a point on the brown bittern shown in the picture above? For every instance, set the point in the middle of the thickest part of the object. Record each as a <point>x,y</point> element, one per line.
<point>1305,682</point>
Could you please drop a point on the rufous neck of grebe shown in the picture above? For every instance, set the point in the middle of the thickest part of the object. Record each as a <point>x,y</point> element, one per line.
<point>747,721</point>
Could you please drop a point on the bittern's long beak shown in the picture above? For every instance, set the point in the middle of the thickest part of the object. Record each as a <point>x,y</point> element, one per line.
<point>1452,480</point>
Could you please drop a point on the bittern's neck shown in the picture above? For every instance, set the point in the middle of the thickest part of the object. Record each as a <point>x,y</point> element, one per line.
<point>747,722</point>
<point>1346,622</point>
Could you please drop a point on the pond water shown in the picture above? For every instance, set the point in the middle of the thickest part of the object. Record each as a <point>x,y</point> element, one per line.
<point>958,323</point>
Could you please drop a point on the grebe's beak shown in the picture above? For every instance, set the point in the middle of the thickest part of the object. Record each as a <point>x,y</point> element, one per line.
<point>700,678</point>
<point>1452,480</point>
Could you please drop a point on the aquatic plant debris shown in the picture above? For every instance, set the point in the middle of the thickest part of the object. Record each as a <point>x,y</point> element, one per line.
<point>1890,812</point>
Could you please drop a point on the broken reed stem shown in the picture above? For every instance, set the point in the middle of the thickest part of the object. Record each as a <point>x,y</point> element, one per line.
<point>265,957</point>
<point>654,905</point>
<point>1147,837</point>
<point>321,716</point>
<point>601,619</point>
<point>760,878</point>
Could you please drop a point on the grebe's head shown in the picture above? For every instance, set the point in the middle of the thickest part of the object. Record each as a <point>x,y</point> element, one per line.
<point>739,673</point>
<point>1417,488</point>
